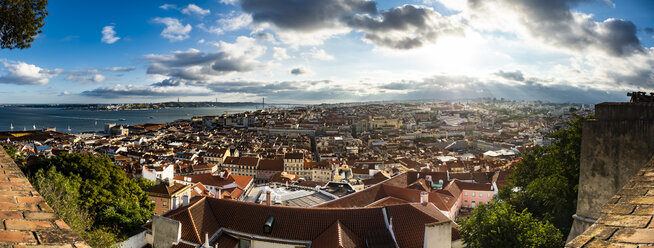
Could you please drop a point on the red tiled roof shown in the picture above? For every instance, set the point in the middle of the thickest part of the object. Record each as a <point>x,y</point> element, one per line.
<point>271,164</point>
<point>337,235</point>
<point>164,190</point>
<point>474,186</point>
<point>217,181</point>
<point>207,215</point>
<point>294,155</point>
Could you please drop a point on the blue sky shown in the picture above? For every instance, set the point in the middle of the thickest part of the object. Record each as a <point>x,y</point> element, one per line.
<point>334,51</point>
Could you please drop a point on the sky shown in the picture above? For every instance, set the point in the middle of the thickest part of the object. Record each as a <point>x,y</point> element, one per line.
<point>329,51</point>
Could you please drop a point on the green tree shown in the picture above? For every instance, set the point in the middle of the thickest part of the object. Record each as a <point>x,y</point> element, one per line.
<point>14,153</point>
<point>144,183</point>
<point>62,194</point>
<point>545,183</point>
<point>115,201</point>
<point>500,225</point>
<point>20,22</point>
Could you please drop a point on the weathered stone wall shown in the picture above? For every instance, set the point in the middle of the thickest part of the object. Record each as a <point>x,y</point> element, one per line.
<point>25,219</point>
<point>624,111</point>
<point>615,146</point>
<point>626,219</point>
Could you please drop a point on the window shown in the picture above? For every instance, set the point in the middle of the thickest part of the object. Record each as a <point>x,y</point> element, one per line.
<point>489,195</point>
<point>481,195</point>
<point>244,243</point>
<point>474,194</point>
<point>465,193</point>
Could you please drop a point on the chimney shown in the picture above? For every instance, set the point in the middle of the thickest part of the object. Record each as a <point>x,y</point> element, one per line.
<point>171,182</point>
<point>185,200</point>
<point>206,241</point>
<point>268,197</point>
<point>220,193</point>
<point>424,197</point>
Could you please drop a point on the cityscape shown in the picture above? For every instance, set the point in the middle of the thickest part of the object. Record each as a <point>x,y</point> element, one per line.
<point>331,123</point>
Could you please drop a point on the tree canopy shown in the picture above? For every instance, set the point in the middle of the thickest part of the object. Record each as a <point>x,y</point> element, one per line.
<point>541,195</point>
<point>20,22</point>
<point>500,225</point>
<point>113,200</point>
<point>62,194</point>
<point>546,181</point>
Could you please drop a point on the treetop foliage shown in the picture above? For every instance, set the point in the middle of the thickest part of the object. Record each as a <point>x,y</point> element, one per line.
<point>498,224</point>
<point>115,201</point>
<point>541,196</point>
<point>20,22</point>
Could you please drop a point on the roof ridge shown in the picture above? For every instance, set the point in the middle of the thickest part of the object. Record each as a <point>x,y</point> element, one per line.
<point>339,230</point>
<point>195,228</point>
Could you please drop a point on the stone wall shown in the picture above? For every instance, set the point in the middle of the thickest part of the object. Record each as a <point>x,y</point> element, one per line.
<point>615,146</point>
<point>626,219</point>
<point>25,219</point>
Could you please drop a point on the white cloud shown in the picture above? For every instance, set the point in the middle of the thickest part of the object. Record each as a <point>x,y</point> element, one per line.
<point>88,76</point>
<point>21,73</point>
<point>319,54</point>
<point>235,22</point>
<point>119,68</point>
<point>229,2</point>
<point>168,6</point>
<point>194,9</point>
<point>230,23</point>
<point>109,35</point>
<point>279,53</point>
<point>175,30</point>
<point>98,78</point>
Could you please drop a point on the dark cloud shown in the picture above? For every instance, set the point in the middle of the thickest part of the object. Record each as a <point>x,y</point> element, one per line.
<point>234,65</point>
<point>403,85</point>
<point>264,36</point>
<point>553,22</point>
<point>169,82</point>
<point>196,65</point>
<point>516,75</point>
<point>438,87</point>
<point>119,91</point>
<point>639,78</point>
<point>649,30</point>
<point>299,71</point>
<point>403,27</point>
<point>305,15</point>
<point>453,87</point>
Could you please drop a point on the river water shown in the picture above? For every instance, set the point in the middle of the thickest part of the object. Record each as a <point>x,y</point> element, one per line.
<point>90,120</point>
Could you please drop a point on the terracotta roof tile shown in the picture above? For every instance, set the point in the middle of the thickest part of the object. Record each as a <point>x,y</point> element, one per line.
<point>337,235</point>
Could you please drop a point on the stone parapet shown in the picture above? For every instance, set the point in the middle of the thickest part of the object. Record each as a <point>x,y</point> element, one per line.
<point>627,219</point>
<point>624,111</point>
<point>26,220</point>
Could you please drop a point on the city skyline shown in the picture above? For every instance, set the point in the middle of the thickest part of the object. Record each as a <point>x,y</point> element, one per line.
<point>334,51</point>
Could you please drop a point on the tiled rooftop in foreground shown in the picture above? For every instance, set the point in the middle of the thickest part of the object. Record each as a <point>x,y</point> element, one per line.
<point>627,219</point>
<point>25,219</point>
